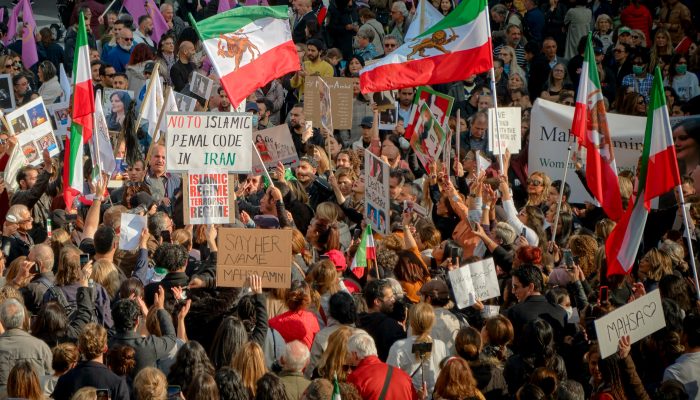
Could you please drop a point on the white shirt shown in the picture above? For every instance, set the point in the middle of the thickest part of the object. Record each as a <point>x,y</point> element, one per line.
<point>686,370</point>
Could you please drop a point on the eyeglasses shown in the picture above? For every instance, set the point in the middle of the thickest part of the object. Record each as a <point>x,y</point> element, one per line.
<point>389,45</point>
<point>534,182</point>
<point>128,39</point>
<point>635,36</point>
<point>641,101</point>
<point>8,65</point>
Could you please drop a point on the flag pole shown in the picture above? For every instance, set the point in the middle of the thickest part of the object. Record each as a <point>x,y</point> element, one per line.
<point>267,173</point>
<point>495,97</point>
<point>422,16</point>
<point>108,7</point>
<point>688,238</point>
<point>149,91</point>
<point>561,197</point>
<point>160,119</point>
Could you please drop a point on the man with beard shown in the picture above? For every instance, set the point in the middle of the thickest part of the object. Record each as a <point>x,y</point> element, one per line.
<point>318,188</point>
<point>136,173</point>
<point>406,96</point>
<point>224,103</point>
<point>376,321</point>
<point>182,69</point>
<point>164,186</point>
<point>143,34</point>
<point>23,91</point>
<point>301,135</point>
<point>107,72</point>
<point>313,66</point>
<point>119,56</point>
<point>36,190</point>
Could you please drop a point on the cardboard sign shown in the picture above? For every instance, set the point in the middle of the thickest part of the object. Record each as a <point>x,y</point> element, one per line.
<point>201,85</point>
<point>637,320</point>
<point>209,198</point>
<point>341,98</point>
<point>509,121</point>
<point>377,193</point>
<point>130,232</point>
<point>439,104</point>
<point>429,138</point>
<point>31,124</point>
<point>209,142</point>
<point>245,252</point>
<point>274,144</point>
<point>475,281</point>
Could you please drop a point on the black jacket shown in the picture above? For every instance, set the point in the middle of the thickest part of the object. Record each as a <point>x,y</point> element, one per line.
<point>384,330</point>
<point>171,280</point>
<point>91,373</point>
<point>15,246</point>
<point>534,307</point>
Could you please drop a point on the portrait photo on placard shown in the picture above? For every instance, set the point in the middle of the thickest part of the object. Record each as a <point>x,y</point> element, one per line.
<point>184,102</point>
<point>37,115</point>
<point>385,100</point>
<point>388,118</point>
<point>201,85</point>
<point>115,104</point>
<point>7,94</point>
<point>47,142</point>
<point>19,124</point>
<point>30,152</point>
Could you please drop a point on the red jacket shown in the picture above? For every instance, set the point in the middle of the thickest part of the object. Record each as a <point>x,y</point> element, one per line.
<point>638,17</point>
<point>369,377</point>
<point>298,325</point>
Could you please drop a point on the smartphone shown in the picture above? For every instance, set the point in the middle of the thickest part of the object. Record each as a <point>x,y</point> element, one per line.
<point>174,392</point>
<point>309,125</point>
<point>454,255</point>
<point>34,269</point>
<point>568,258</point>
<point>102,394</point>
<point>603,294</point>
<point>165,235</point>
<point>524,231</point>
<point>84,259</point>
<point>422,348</point>
<point>185,293</point>
<point>356,234</point>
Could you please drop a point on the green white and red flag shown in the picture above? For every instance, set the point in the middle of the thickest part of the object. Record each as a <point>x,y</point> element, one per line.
<point>451,50</point>
<point>82,121</point>
<point>366,253</point>
<point>249,47</point>
<point>659,156</point>
<point>590,126</point>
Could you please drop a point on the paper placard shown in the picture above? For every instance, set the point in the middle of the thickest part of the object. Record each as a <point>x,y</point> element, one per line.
<point>440,106</point>
<point>31,124</point>
<point>637,320</point>
<point>185,103</point>
<point>201,85</point>
<point>244,252</point>
<point>7,93</point>
<point>389,117</point>
<point>341,98</point>
<point>130,232</point>
<point>274,144</point>
<point>377,193</point>
<point>509,121</point>
<point>209,142</point>
<point>60,113</point>
<point>210,198</point>
<point>490,311</point>
<point>428,139</point>
<point>475,281</point>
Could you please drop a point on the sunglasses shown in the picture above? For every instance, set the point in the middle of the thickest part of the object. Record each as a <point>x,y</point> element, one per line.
<point>635,36</point>
<point>641,101</point>
<point>8,65</point>
<point>128,39</point>
<point>534,182</point>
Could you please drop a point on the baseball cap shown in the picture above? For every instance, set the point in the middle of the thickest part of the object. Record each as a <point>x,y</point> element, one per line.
<point>266,221</point>
<point>367,122</point>
<point>624,29</point>
<point>338,259</point>
<point>251,105</point>
<point>436,288</point>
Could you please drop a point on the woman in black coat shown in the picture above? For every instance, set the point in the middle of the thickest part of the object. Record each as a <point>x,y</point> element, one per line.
<point>342,23</point>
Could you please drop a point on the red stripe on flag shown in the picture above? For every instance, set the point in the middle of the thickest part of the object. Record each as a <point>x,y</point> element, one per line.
<point>270,65</point>
<point>665,173</point>
<point>451,67</point>
<point>600,178</point>
<point>614,242</point>
<point>84,107</point>
<point>578,127</point>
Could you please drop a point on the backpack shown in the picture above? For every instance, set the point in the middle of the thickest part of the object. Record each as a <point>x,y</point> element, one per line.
<point>70,309</point>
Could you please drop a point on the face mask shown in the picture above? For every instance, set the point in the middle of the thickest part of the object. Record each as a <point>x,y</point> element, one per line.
<point>682,68</point>
<point>569,313</point>
<point>404,144</point>
<point>637,69</point>
<point>255,120</point>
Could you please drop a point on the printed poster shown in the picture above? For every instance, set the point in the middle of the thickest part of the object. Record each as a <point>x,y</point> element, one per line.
<point>376,193</point>
<point>274,144</point>
<point>31,124</point>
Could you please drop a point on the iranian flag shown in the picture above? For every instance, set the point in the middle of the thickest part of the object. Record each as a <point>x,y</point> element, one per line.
<point>249,47</point>
<point>366,252</point>
<point>82,121</point>
<point>453,49</point>
<point>590,126</point>
<point>658,156</point>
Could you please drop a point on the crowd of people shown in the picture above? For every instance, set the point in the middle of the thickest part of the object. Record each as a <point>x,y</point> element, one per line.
<point>83,319</point>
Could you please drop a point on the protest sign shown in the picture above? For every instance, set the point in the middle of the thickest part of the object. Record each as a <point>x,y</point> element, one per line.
<point>475,281</point>
<point>509,119</point>
<point>245,252</point>
<point>209,142</point>
<point>637,320</point>
<point>429,137</point>
<point>209,198</point>
<point>385,100</point>
<point>60,114</point>
<point>201,85</point>
<point>550,131</point>
<point>482,163</point>
<point>7,93</point>
<point>31,124</point>
<point>341,98</point>
<point>185,103</point>
<point>440,106</point>
<point>389,117</point>
<point>275,144</point>
<point>377,193</point>
<point>325,106</point>
<point>115,104</point>
<point>130,232</point>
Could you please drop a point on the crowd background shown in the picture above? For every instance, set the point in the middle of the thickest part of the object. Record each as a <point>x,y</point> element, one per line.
<point>151,323</point>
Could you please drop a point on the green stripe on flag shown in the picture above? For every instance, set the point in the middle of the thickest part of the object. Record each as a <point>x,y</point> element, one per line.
<point>589,57</point>
<point>236,18</point>
<point>657,99</point>
<point>466,12</point>
<point>76,144</point>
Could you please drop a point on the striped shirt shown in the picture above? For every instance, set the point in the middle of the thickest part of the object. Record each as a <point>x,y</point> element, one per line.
<point>519,54</point>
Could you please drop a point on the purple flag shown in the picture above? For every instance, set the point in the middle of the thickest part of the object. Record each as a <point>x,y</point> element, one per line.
<point>25,8</point>
<point>224,5</point>
<point>137,8</point>
<point>29,53</point>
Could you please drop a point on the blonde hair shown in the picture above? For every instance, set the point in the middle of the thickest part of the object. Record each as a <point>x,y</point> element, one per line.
<point>69,269</point>
<point>584,247</point>
<point>333,358</point>
<point>514,67</point>
<point>183,237</point>
<point>605,17</point>
<point>150,384</point>
<point>14,269</point>
<point>106,274</point>
<point>85,393</point>
<point>421,318</point>
<point>603,228</point>
<point>546,183</point>
<point>660,264</point>
<point>249,361</point>
<point>324,163</point>
<point>330,211</point>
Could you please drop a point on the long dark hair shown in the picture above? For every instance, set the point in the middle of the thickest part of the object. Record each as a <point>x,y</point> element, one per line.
<point>229,338</point>
<point>50,324</point>
<point>191,360</point>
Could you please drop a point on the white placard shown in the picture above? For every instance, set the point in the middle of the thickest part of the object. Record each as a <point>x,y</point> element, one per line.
<point>475,281</point>
<point>185,102</point>
<point>220,142</point>
<point>201,85</point>
<point>490,311</point>
<point>31,124</point>
<point>60,112</point>
<point>377,193</point>
<point>637,320</point>
<point>130,232</point>
<point>274,144</point>
<point>509,122</point>
<point>482,163</point>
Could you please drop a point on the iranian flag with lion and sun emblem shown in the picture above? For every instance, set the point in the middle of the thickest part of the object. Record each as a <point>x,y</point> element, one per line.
<point>249,47</point>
